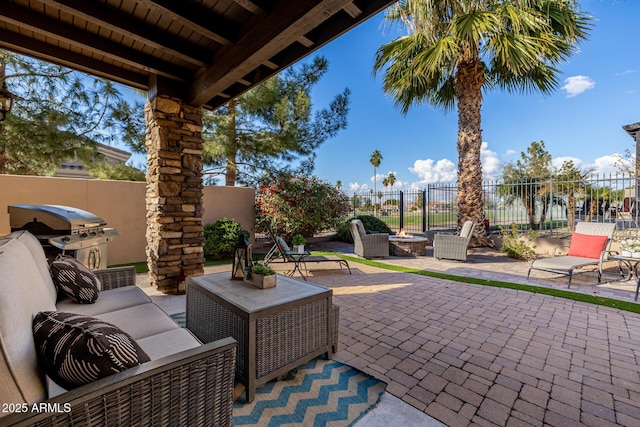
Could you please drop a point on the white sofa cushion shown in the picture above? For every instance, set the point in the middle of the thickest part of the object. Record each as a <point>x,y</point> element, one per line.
<point>167,343</point>
<point>140,321</point>
<point>22,295</point>
<point>108,301</point>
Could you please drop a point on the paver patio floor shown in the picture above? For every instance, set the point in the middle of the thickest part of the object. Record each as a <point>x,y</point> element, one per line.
<point>473,355</point>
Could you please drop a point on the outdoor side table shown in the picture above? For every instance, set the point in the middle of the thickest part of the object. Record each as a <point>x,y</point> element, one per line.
<point>277,329</point>
<point>632,264</point>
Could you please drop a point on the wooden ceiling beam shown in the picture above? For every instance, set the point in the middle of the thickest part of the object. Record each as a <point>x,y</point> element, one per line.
<point>198,19</point>
<point>286,22</point>
<point>353,10</point>
<point>40,24</point>
<point>251,7</point>
<point>56,55</point>
<point>108,18</point>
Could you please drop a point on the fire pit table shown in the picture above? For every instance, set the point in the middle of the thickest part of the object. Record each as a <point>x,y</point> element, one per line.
<point>408,246</point>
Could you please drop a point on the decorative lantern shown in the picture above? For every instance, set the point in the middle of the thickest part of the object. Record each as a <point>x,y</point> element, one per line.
<point>181,288</point>
<point>241,258</point>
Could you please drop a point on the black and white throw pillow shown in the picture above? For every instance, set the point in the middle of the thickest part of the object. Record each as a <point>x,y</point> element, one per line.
<point>75,280</point>
<point>76,350</point>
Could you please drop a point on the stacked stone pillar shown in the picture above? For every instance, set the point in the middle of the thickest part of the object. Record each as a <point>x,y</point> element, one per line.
<point>175,236</point>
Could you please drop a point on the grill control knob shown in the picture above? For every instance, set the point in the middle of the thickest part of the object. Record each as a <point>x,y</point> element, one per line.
<point>65,239</point>
<point>84,235</point>
<point>94,234</point>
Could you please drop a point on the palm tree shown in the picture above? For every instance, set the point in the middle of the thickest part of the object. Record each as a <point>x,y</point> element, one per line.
<point>391,178</point>
<point>455,49</point>
<point>375,160</point>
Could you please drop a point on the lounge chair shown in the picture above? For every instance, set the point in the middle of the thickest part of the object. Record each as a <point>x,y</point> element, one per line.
<point>590,245</point>
<point>452,246</point>
<point>368,244</point>
<point>280,251</point>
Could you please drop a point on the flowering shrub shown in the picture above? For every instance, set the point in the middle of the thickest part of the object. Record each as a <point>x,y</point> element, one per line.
<point>300,205</point>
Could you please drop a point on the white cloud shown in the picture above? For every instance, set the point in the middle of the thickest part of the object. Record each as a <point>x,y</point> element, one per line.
<point>626,72</point>
<point>355,187</point>
<point>429,172</point>
<point>509,153</point>
<point>379,177</point>
<point>558,161</point>
<point>605,165</point>
<point>575,85</point>
<point>491,164</point>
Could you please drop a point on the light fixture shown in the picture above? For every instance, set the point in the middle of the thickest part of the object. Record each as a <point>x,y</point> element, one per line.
<point>6,101</point>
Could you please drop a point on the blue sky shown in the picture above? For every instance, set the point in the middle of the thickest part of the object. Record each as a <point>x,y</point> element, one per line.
<point>582,120</point>
<point>599,93</point>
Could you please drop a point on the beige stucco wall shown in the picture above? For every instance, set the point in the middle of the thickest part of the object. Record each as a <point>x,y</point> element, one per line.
<point>120,203</point>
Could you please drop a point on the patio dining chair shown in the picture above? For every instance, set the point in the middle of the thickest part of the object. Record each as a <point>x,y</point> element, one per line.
<point>590,245</point>
<point>452,246</point>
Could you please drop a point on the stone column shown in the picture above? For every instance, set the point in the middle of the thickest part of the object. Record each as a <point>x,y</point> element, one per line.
<point>175,236</point>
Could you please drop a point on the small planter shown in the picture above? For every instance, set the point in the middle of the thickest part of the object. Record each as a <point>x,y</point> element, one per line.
<point>298,242</point>
<point>635,254</point>
<point>626,253</point>
<point>263,282</point>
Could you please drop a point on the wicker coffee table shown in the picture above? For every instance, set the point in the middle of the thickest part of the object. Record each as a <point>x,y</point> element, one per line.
<point>277,329</point>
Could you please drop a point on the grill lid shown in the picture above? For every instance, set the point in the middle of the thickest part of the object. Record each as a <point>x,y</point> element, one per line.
<point>42,219</point>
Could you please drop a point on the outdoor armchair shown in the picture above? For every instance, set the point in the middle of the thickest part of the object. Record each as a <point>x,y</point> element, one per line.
<point>368,245</point>
<point>590,245</point>
<point>453,246</point>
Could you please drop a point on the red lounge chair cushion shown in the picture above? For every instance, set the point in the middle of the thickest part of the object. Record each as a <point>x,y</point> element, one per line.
<point>587,246</point>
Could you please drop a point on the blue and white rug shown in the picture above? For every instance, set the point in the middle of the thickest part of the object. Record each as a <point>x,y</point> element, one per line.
<point>319,393</point>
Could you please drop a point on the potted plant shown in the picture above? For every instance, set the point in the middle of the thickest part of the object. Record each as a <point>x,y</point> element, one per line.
<point>298,243</point>
<point>630,248</point>
<point>262,276</point>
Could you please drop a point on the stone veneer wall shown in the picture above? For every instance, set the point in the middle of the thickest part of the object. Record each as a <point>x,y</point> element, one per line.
<point>175,236</point>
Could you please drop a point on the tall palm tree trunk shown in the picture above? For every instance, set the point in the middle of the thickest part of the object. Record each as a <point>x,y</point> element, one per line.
<point>469,81</point>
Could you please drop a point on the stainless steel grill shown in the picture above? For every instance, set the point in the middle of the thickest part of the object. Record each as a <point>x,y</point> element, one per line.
<point>66,230</point>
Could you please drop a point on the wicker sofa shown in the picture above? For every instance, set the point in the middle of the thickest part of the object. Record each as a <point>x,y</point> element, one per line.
<point>368,245</point>
<point>185,383</point>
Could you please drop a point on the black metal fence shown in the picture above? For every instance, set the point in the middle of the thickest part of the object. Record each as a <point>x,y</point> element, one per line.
<point>543,204</point>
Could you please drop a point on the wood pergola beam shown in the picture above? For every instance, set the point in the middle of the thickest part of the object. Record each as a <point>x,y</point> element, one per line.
<point>107,18</point>
<point>60,56</point>
<point>286,22</point>
<point>195,18</point>
<point>19,16</point>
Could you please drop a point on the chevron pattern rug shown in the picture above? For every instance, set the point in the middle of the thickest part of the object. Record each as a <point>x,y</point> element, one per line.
<point>319,393</point>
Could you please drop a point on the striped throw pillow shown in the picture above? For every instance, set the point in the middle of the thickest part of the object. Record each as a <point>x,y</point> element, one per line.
<point>74,350</point>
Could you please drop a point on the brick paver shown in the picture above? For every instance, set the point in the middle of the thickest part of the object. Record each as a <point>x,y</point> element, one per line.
<point>473,355</point>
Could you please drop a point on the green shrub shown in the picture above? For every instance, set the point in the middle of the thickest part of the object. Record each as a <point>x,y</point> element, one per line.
<point>221,237</point>
<point>371,223</point>
<point>516,245</point>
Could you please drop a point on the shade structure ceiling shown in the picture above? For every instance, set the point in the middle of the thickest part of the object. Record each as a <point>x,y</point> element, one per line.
<point>201,51</point>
